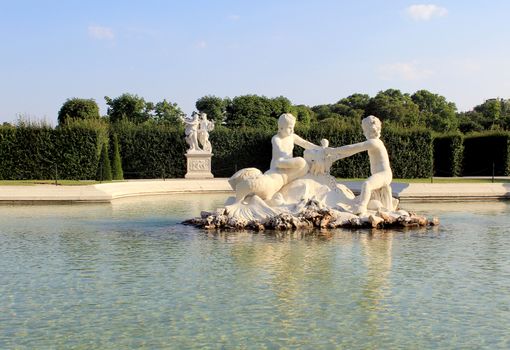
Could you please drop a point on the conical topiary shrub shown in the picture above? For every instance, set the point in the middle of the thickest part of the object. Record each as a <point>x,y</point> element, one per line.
<point>117,172</point>
<point>104,169</point>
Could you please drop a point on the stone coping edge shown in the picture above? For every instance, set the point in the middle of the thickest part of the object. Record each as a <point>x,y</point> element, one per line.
<point>106,193</point>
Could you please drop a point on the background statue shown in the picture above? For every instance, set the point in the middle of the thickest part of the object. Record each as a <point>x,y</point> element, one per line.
<point>191,132</point>
<point>203,132</point>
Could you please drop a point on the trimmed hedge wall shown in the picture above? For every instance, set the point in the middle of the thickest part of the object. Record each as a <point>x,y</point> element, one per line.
<point>31,152</point>
<point>448,154</point>
<point>157,151</point>
<point>483,151</point>
<point>151,151</point>
<point>238,149</point>
<point>410,151</point>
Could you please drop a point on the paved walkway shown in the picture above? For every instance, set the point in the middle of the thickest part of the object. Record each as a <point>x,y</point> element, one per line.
<point>105,193</point>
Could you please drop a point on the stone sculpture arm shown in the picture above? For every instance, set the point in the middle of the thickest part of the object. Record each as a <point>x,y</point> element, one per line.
<point>349,150</point>
<point>298,140</point>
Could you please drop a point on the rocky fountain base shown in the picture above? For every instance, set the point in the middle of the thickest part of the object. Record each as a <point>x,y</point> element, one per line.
<point>307,212</point>
<point>312,218</point>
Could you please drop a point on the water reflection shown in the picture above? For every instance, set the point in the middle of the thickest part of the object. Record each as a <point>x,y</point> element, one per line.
<point>128,275</point>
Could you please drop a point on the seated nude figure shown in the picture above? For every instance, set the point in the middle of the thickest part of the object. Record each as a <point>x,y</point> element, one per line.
<point>284,167</point>
<point>379,164</point>
<point>283,161</point>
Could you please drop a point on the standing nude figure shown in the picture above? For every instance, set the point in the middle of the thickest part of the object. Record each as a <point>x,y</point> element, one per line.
<point>203,132</point>
<point>191,132</point>
<point>382,175</point>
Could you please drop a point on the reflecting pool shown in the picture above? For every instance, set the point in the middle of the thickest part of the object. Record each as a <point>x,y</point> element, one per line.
<point>128,275</point>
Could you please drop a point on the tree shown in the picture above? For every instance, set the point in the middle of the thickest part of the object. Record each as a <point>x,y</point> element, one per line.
<point>104,169</point>
<point>392,105</point>
<point>351,107</point>
<point>167,112</point>
<point>356,101</point>
<point>117,173</point>
<point>495,113</point>
<point>280,105</point>
<point>130,107</point>
<point>435,111</point>
<point>78,108</point>
<point>256,111</point>
<point>325,112</point>
<point>471,121</point>
<point>215,107</point>
<point>304,115</point>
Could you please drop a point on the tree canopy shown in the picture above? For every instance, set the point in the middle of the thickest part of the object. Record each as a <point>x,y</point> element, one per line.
<point>167,112</point>
<point>394,106</point>
<point>215,107</point>
<point>78,108</point>
<point>422,108</point>
<point>256,111</point>
<point>130,107</point>
<point>136,110</point>
<point>435,111</point>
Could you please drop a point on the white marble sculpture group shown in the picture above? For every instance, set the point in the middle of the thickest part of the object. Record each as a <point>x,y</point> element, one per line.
<point>197,130</point>
<point>299,192</point>
<point>197,134</point>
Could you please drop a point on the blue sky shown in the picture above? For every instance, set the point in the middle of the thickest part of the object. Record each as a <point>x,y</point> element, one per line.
<point>312,52</point>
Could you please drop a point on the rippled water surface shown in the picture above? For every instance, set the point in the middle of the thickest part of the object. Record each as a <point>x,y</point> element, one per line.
<point>127,275</point>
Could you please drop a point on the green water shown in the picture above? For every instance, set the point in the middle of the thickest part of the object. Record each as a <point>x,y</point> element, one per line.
<point>129,276</point>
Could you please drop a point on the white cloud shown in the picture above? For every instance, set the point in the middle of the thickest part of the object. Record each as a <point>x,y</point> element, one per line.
<point>201,44</point>
<point>425,12</point>
<point>234,17</point>
<point>101,33</point>
<point>403,71</point>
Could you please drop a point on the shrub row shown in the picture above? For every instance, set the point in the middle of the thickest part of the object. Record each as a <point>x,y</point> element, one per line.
<point>487,154</point>
<point>39,152</point>
<point>448,154</point>
<point>252,148</point>
<point>150,151</point>
<point>477,154</point>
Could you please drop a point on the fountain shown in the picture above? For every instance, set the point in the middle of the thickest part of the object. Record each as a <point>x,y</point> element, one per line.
<point>299,192</point>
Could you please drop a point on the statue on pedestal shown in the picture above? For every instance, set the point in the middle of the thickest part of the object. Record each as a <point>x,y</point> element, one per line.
<point>198,158</point>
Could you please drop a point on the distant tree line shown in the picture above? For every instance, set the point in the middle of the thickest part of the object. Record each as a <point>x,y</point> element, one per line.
<point>421,109</point>
<point>142,139</point>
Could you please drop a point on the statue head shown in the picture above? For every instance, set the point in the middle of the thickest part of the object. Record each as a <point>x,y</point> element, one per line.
<point>371,127</point>
<point>203,116</point>
<point>286,124</point>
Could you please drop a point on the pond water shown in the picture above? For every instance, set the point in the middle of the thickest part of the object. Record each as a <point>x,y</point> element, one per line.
<point>128,275</point>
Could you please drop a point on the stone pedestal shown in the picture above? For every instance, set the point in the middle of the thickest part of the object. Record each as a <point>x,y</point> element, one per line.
<point>199,165</point>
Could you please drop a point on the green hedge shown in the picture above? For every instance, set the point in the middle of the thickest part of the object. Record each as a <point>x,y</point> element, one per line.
<point>448,154</point>
<point>156,151</point>
<point>151,151</point>
<point>485,152</point>
<point>38,152</point>
<point>238,149</point>
<point>410,151</point>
